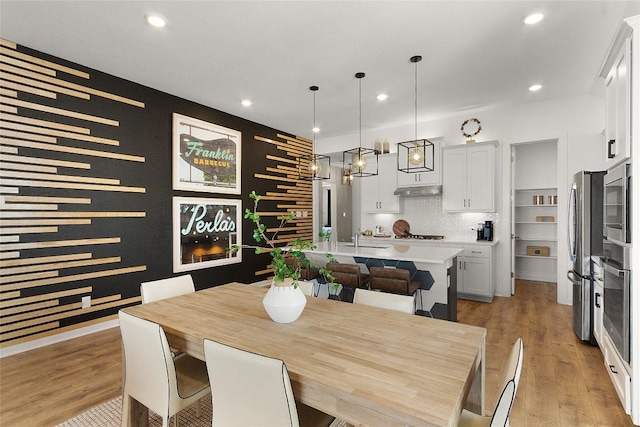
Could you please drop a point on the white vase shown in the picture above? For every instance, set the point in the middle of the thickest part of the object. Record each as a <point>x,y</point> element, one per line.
<point>283,302</point>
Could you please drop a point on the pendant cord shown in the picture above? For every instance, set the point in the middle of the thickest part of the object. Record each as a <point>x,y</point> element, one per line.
<point>416,101</point>
<point>360,95</point>
<point>313,145</point>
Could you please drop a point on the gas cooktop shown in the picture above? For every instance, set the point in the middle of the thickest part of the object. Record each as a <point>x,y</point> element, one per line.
<point>420,237</point>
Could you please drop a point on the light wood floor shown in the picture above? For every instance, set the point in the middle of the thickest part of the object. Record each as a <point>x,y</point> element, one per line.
<point>563,383</point>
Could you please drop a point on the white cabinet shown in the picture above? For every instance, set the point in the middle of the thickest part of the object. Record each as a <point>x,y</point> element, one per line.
<point>425,178</point>
<point>475,273</point>
<point>618,100</point>
<point>535,234</point>
<point>468,183</point>
<point>377,191</point>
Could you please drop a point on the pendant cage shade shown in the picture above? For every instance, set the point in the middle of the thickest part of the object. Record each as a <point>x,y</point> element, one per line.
<point>417,155</point>
<point>314,166</point>
<point>363,162</point>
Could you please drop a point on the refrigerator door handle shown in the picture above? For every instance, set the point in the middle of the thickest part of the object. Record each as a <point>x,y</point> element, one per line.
<point>571,222</point>
<point>571,275</point>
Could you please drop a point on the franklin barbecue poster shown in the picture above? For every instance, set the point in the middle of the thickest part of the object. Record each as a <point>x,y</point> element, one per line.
<point>203,231</point>
<point>206,157</point>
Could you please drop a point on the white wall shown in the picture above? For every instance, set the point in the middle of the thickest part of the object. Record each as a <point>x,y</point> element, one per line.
<point>576,123</point>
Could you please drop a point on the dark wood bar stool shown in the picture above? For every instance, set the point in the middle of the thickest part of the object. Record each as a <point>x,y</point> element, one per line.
<point>306,271</point>
<point>349,276</point>
<point>395,281</point>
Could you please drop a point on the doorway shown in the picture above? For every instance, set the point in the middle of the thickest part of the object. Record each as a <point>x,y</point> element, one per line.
<point>535,224</point>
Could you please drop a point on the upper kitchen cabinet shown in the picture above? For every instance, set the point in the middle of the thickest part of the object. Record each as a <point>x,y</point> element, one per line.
<point>468,182</point>
<point>377,191</point>
<point>617,74</point>
<point>425,178</point>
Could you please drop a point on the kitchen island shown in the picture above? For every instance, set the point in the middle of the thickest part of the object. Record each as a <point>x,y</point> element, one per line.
<point>435,267</point>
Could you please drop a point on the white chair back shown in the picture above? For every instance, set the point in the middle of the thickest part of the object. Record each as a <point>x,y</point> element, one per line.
<point>503,408</point>
<point>248,389</point>
<point>306,287</point>
<point>513,367</point>
<point>403,303</point>
<point>149,367</point>
<point>166,288</point>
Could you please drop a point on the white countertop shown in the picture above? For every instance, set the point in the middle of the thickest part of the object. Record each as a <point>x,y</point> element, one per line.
<point>445,241</point>
<point>390,250</point>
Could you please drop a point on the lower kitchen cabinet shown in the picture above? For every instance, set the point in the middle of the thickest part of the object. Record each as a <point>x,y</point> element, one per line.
<point>598,309</point>
<point>475,273</point>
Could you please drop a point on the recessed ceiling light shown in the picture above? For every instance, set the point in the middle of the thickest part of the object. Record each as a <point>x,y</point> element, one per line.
<point>246,102</point>
<point>535,88</point>
<point>533,18</point>
<point>316,129</point>
<point>156,20</point>
<point>381,97</point>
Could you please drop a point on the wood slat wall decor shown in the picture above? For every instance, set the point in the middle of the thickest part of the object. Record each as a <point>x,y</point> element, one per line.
<point>283,168</point>
<point>41,130</point>
<point>86,192</point>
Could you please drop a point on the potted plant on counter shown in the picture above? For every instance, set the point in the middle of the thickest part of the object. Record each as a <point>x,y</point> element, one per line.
<point>284,302</point>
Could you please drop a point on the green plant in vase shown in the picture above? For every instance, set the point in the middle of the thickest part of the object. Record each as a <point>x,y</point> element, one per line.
<point>282,269</point>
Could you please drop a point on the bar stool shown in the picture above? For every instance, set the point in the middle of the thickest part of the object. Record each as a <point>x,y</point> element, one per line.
<point>306,271</point>
<point>348,275</point>
<point>394,281</point>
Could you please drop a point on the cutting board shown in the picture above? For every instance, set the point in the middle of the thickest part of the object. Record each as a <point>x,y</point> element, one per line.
<point>401,227</point>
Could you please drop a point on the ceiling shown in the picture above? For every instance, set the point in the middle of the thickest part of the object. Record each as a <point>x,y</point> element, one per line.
<point>477,55</point>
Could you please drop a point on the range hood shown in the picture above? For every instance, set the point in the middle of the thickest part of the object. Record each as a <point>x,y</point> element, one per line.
<point>423,190</point>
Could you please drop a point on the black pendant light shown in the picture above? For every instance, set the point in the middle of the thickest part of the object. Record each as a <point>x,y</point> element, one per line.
<point>417,155</point>
<point>315,165</point>
<point>363,161</point>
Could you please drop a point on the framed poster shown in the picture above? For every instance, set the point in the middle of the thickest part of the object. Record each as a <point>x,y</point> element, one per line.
<point>206,157</point>
<point>203,230</point>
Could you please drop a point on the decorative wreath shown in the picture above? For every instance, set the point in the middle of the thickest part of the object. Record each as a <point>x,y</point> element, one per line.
<point>466,122</point>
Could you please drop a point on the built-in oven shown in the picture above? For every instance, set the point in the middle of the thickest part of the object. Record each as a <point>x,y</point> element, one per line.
<point>616,316</point>
<point>617,204</point>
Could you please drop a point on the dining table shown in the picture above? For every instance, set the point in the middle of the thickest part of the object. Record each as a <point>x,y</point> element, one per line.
<point>365,365</point>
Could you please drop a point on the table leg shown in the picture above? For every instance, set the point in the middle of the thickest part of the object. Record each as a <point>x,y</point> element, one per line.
<point>134,413</point>
<point>475,400</point>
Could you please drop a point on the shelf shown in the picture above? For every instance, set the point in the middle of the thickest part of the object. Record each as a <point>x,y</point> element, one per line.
<point>537,206</point>
<point>537,189</point>
<point>552,257</point>
<point>535,239</point>
<point>536,222</point>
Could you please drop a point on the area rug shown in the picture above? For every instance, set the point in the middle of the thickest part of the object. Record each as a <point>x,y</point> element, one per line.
<point>109,414</point>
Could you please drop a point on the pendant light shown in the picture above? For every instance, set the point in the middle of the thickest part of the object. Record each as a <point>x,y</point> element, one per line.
<point>319,166</point>
<point>417,155</point>
<point>363,161</point>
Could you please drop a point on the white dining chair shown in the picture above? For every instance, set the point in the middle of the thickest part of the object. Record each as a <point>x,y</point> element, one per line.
<point>511,378</point>
<point>152,376</point>
<point>306,287</point>
<point>254,390</point>
<point>166,288</point>
<point>403,303</point>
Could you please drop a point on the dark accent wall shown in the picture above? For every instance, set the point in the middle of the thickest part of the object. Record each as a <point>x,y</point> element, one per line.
<point>86,189</point>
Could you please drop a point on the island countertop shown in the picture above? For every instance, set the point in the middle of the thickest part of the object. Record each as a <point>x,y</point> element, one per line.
<point>392,251</point>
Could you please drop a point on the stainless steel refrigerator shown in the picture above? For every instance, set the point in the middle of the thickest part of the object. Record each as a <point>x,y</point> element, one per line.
<point>585,236</point>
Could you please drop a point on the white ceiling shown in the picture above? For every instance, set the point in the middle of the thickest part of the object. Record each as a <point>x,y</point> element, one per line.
<point>476,54</point>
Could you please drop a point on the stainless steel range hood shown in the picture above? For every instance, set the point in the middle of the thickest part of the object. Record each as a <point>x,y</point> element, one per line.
<point>423,190</point>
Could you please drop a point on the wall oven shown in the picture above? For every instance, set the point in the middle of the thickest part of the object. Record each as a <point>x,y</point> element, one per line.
<point>617,297</point>
<point>617,204</point>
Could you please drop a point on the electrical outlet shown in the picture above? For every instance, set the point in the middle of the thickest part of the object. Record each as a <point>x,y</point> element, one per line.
<point>86,301</point>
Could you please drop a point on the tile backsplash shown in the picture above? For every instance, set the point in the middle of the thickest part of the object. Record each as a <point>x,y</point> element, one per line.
<point>425,216</point>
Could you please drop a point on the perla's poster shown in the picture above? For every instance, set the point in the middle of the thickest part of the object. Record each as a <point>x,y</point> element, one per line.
<point>206,157</point>
<point>203,232</point>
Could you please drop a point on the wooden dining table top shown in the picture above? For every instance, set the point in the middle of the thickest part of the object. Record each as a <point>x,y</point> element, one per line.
<point>365,365</point>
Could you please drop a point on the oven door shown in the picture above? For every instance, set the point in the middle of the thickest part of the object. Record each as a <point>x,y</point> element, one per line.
<point>617,183</point>
<point>616,316</point>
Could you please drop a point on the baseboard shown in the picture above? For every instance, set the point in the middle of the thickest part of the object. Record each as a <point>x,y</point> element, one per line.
<point>53,339</point>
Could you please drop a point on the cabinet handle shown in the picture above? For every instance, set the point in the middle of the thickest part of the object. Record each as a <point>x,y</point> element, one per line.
<point>610,153</point>
<point>597,303</point>
<point>612,368</point>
